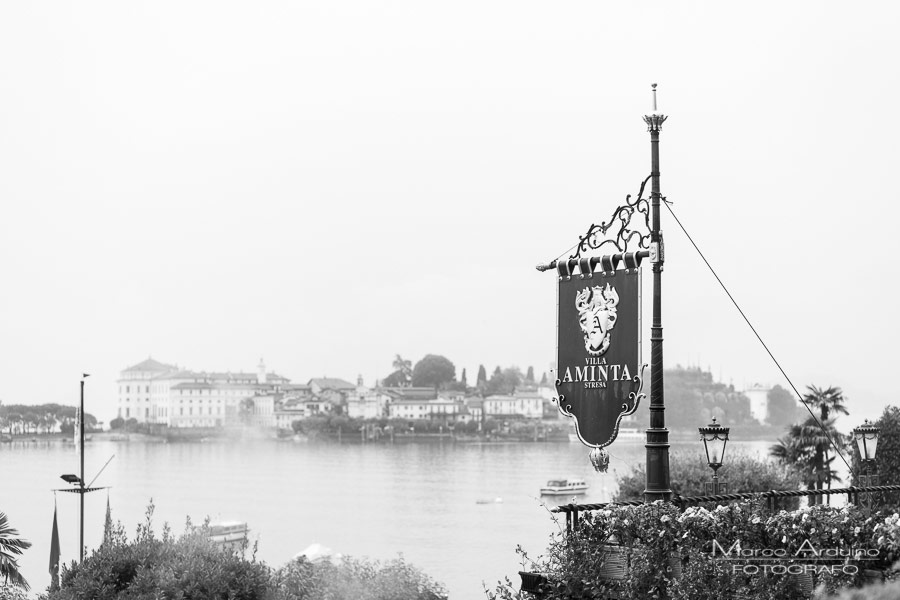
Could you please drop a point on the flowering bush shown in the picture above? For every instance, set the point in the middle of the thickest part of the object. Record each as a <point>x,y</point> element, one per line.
<point>738,549</point>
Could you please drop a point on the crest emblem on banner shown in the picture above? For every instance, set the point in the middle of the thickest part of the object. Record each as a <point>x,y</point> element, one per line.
<point>599,374</point>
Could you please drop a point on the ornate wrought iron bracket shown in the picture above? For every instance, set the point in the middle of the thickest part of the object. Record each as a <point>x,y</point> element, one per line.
<point>618,232</point>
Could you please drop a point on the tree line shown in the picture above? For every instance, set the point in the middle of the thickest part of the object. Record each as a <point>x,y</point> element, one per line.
<point>42,418</point>
<point>437,371</point>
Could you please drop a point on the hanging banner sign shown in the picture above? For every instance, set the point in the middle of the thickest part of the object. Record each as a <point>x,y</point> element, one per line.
<point>599,377</point>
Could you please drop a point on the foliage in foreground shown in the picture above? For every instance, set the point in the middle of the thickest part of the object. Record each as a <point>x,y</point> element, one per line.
<point>689,473</point>
<point>673,550</point>
<point>11,547</point>
<point>881,591</point>
<point>353,579</point>
<point>190,567</point>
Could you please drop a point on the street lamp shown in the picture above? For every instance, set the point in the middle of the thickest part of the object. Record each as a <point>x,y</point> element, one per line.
<point>714,438</point>
<point>866,436</point>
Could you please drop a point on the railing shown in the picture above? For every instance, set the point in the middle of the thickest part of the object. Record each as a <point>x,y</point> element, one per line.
<point>571,510</point>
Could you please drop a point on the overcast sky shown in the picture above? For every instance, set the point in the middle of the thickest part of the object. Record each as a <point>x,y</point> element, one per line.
<point>326,185</point>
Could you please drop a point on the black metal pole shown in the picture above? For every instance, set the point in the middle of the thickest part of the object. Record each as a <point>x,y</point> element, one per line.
<point>658,485</point>
<point>81,474</point>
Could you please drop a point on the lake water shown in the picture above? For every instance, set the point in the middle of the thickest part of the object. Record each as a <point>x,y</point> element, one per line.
<point>418,500</point>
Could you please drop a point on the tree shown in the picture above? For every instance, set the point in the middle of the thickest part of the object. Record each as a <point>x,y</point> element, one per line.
<point>433,371</point>
<point>887,458</point>
<point>504,381</point>
<point>690,472</point>
<point>804,449</point>
<point>395,379</point>
<point>481,379</point>
<point>782,407</point>
<point>11,547</point>
<point>189,566</point>
<point>117,423</point>
<point>827,401</point>
<point>463,381</point>
<point>544,378</point>
<point>529,376</point>
<point>402,375</point>
<point>402,365</point>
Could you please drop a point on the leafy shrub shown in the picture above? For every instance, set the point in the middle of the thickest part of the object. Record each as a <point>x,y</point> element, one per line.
<point>689,473</point>
<point>881,591</point>
<point>186,567</point>
<point>676,552</point>
<point>887,459</point>
<point>353,579</point>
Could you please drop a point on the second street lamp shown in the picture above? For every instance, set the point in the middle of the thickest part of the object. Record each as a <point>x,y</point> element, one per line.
<point>866,436</point>
<point>715,437</point>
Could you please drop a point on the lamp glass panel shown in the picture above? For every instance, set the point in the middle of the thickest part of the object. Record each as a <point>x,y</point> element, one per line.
<point>872,443</point>
<point>715,449</point>
<point>861,444</point>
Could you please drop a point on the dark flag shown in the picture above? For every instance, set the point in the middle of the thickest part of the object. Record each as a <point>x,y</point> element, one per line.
<point>54,553</point>
<point>107,524</point>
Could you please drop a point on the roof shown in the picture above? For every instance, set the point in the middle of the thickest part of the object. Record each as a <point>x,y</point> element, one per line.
<point>410,393</point>
<point>296,387</point>
<point>438,402</point>
<point>150,365</point>
<point>331,383</point>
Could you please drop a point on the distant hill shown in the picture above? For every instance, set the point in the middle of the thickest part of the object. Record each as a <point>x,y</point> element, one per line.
<point>692,398</point>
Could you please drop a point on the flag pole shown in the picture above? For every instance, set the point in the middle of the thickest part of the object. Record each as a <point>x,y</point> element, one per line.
<point>81,475</point>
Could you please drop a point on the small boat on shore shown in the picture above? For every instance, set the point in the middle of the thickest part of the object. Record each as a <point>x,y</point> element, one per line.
<point>229,535</point>
<point>563,487</point>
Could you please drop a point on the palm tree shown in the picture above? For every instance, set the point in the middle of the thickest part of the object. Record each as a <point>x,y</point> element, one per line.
<point>11,546</point>
<point>827,401</point>
<point>404,368</point>
<point>805,448</point>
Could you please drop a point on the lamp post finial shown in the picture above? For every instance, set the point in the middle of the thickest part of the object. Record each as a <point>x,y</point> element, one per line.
<point>655,119</point>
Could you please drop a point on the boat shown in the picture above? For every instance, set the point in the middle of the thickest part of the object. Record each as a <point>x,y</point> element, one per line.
<point>229,535</point>
<point>563,487</point>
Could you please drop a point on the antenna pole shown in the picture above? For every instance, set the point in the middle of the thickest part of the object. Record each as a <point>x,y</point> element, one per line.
<point>81,475</point>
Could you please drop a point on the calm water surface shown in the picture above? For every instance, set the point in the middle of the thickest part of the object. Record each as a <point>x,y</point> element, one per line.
<point>418,500</point>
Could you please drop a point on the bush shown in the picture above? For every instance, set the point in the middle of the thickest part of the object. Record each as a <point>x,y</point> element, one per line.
<point>882,591</point>
<point>189,566</point>
<point>658,541</point>
<point>887,459</point>
<point>689,473</point>
<point>353,579</point>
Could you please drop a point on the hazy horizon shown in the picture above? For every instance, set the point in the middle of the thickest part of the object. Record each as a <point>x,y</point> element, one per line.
<point>327,186</point>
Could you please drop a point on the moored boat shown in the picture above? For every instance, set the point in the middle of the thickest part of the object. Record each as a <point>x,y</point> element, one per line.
<point>229,535</point>
<point>560,487</point>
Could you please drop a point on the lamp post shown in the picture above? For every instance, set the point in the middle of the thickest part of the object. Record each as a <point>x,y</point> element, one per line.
<point>715,437</point>
<point>658,483</point>
<point>866,436</point>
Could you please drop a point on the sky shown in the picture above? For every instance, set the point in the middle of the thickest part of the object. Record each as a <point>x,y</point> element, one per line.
<point>326,185</point>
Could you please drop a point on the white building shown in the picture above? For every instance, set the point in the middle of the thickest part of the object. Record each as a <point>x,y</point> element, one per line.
<point>526,403</point>
<point>759,401</point>
<point>155,392</point>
